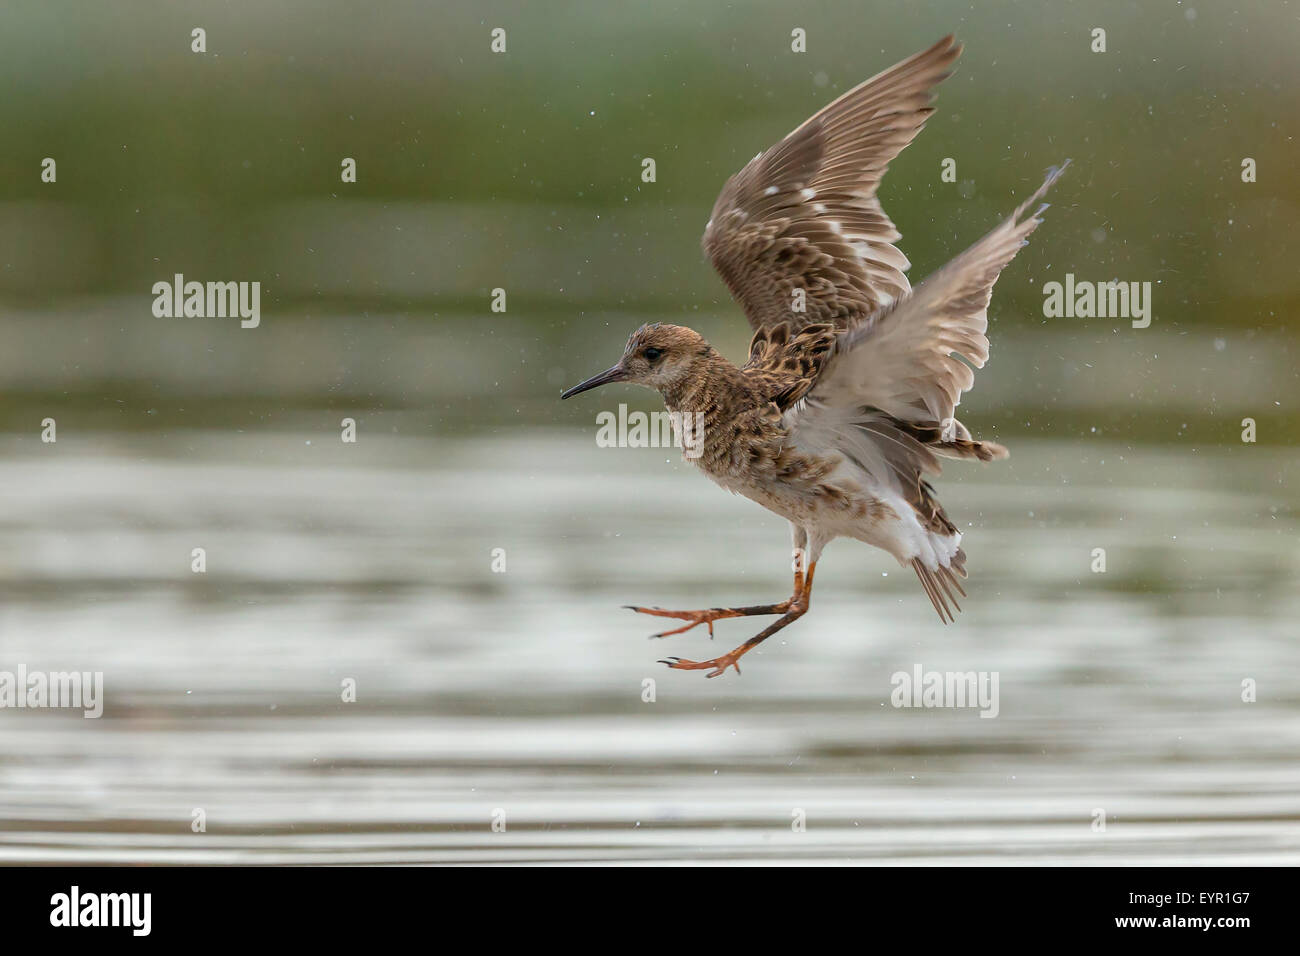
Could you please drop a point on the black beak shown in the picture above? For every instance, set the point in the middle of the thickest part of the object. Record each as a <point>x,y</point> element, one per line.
<point>615,374</point>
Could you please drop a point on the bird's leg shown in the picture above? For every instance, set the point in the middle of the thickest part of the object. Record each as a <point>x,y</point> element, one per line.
<point>798,606</point>
<point>709,615</point>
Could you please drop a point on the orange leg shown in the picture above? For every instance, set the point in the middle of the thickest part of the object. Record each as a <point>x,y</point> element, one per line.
<point>797,607</point>
<point>721,613</point>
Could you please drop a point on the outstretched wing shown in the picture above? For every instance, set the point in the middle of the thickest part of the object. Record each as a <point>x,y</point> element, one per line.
<point>885,392</point>
<point>903,360</point>
<point>804,214</point>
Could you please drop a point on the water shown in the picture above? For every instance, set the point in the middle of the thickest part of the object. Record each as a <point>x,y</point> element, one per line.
<point>482,693</point>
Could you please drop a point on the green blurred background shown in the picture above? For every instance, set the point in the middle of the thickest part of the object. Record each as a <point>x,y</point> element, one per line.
<point>522,171</point>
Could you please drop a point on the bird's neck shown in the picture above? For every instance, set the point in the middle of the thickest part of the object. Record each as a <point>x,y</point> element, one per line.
<point>712,385</point>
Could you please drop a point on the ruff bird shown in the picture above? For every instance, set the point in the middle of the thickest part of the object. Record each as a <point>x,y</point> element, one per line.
<point>847,401</point>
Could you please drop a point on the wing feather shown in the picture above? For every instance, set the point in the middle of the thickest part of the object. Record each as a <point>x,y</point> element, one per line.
<point>804,214</point>
<point>886,389</point>
<point>904,360</point>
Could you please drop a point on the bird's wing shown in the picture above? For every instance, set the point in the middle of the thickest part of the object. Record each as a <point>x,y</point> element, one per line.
<point>804,214</point>
<point>784,362</point>
<point>903,360</point>
<point>884,393</point>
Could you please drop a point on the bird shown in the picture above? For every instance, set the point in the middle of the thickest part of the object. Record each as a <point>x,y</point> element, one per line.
<point>847,401</point>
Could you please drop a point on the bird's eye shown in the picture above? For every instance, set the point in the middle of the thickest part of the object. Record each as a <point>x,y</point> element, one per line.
<point>652,354</point>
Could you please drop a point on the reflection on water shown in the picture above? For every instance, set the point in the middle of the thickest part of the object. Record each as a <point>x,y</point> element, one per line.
<point>521,692</point>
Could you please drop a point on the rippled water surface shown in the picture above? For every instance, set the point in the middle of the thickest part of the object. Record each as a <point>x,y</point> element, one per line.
<point>519,695</point>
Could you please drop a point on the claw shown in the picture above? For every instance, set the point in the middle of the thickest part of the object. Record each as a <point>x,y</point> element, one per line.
<point>693,618</point>
<point>686,627</point>
<point>790,610</point>
<point>719,664</point>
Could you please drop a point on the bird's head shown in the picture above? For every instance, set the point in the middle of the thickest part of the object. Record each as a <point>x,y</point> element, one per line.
<point>658,356</point>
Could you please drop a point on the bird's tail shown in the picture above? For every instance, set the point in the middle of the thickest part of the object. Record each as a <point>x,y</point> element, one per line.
<point>950,439</point>
<point>940,583</point>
